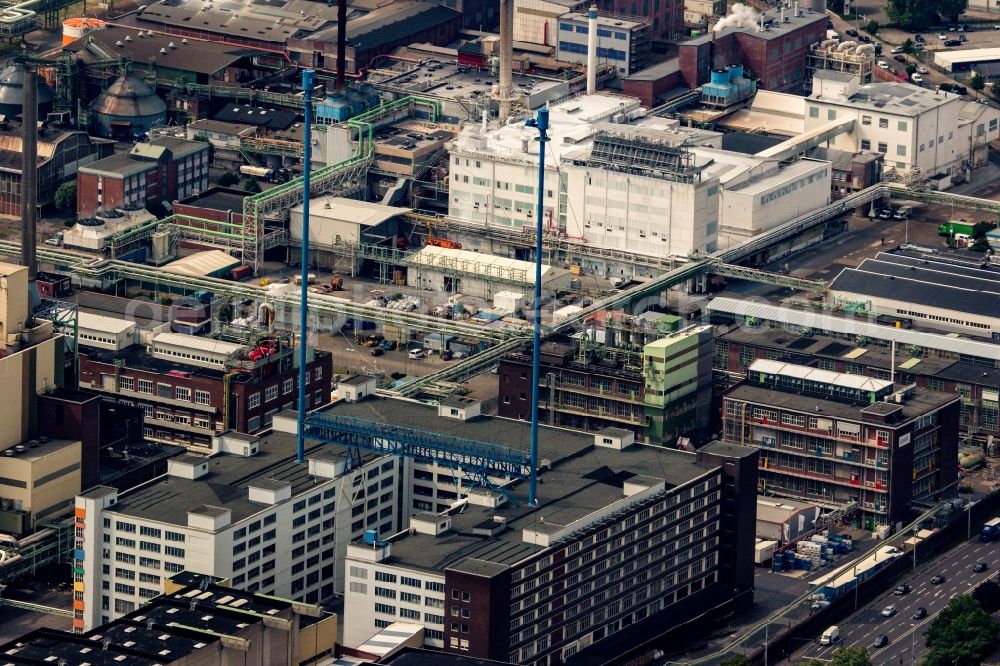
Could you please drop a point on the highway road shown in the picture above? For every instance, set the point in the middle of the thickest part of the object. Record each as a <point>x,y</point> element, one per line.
<point>864,626</point>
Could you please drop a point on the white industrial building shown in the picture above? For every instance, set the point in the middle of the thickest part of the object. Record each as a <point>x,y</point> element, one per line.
<point>915,128</point>
<point>784,520</point>
<point>619,179</point>
<point>537,21</point>
<point>621,43</point>
<point>194,350</point>
<point>476,274</point>
<point>250,514</point>
<point>338,220</point>
<point>103,332</point>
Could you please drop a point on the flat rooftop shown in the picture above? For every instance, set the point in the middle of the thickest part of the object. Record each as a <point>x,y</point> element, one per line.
<point>918,403</point>
<point>218,198</point>
<point>776,28</point>
<point>898,98</point>
<point>440,78</point>
<point>798,349</point>
<point>169,499</point>
<point>725,308</point>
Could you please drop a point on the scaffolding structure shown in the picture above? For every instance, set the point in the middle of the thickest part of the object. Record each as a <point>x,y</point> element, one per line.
<point>65,318</point>
<point>835,59</point>
<point>485,270</point>
<point>482,462</point>
<point>53,547</point>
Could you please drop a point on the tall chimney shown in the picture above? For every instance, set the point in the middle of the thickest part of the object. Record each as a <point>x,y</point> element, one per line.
<point>592,50</point>
<point>506,91</point>
<point>341,44</point>
<point>29,173</point>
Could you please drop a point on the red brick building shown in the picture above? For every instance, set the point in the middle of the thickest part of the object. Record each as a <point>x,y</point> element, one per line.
<point>163,170</point>
<point>185,403</point>
<point>774,56</point>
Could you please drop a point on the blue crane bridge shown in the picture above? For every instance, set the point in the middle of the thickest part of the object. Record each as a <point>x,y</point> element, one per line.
<point>481,461</point>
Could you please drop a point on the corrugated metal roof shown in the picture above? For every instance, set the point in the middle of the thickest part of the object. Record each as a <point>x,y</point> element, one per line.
<point>202,264</point>
<point>341,209</point>
<point>95,322</point>
<point>216,347</point>
<point>822,322</point>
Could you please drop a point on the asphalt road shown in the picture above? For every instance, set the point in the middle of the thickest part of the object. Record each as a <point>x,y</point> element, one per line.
<point>862,628</point>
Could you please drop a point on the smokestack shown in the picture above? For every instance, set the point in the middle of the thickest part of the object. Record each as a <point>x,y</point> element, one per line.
<point>341,43</point>
<point>506,91</point>
<point>592,50</point>
<point>29,174</point>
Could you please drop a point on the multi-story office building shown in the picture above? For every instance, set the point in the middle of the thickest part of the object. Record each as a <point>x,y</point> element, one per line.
<point>250,514</point>
<point>191,387</point>
<point>658,391</point>
<point>836,439</point>
<point>652,538</point>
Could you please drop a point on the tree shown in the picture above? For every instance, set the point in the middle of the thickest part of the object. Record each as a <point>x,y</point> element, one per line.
<point>251,185</point>
<point>908,45</point>
<point>65,197</point>
<point>211,147</point>
<point>980,229</point>
<point>977,82</point>
<point>981,245</point>
<point>988,595</point>
<point>872,27</point>
<point>851,656</point>
<point>911,69</point>
<point>961,635</point>
<point>228,178</point>
<point>918,14</point>
<point>735,660</point>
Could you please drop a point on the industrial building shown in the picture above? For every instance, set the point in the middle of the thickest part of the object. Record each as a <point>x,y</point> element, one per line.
<point>933,291</point>
<point>840,440</point>
<point>307,31</point>
<point>621,43</point>
<point>849,325</point>
<point>915,128</point>
<point>192,387</point>
<point>640,183</point>
<point>12,92</point>
<point>92,234</point>
<point>697,14</point>
<point>60,153</point>
<point>957,61</point>
<point>656,387</point>
<point>227,515</point>
<point>493,579</point>
<point>477,275</point>
<point>150,174</point>
<point>772,46</point>
<point>848,58</point>
<point>200,620</point>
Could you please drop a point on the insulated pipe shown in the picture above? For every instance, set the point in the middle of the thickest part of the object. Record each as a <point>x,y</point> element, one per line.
<point>592,50</point>
<point>307,87</point>
<point>542,123</point>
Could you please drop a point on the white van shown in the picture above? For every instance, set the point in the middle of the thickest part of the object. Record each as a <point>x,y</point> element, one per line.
<point>830,636</point>
<point>416,354</point>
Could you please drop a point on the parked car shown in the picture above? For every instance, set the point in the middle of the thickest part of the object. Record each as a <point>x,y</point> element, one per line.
<point>937,580</point>
<point>885,214</point>
<point>942,36</point>
<point>918,38</point>
<point>899,58</point>
<point>883,64</point>
<point>916,78</point>
<point>881,641</point>
<point>921,69</point>
<point>852,33</point>
<point>902,589</point>
<point>962,39</point>
<point>888,611</point>
<point>953,42</point>
<point>897,49</point>
<point>416,354</point>
<point>377,351</point>
<point>980,567</point>
<point>900,214</point>
<point>920,613</point>
<point>865,38</point>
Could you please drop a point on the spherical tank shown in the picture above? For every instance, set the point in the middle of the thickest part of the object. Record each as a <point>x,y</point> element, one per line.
<point>12,92</point>
<point>128,107</point>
